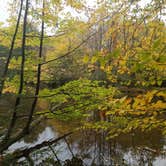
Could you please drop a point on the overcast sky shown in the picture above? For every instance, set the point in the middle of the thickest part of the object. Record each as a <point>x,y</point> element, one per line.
<point>3,12</point>
<point>4,7</point>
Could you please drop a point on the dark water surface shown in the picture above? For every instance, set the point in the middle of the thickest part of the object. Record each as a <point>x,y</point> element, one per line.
<point>93,148</point>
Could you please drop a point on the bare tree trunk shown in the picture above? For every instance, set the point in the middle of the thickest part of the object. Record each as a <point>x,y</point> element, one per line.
<point>11,49</point>
<point>17,103</point>
<point>17,136</point>
<point>38,74</point>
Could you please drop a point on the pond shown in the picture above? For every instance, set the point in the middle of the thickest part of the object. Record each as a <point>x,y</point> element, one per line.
<point>92,148</point>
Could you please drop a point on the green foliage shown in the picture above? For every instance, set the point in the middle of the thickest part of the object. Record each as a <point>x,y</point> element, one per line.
<point>78,98</point>
<point>87,100</point>
<point>129,47</point>
<point>83,98</point>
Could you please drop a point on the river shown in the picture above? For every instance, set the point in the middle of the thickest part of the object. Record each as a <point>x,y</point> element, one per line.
<point>91,147</point>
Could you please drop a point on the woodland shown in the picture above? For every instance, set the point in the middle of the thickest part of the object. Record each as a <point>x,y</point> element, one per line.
<point>102,66</point>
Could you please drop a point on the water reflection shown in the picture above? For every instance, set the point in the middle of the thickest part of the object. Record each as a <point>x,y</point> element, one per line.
<point>37,137</point>
<point>93,149</point>
<point>132,150</point>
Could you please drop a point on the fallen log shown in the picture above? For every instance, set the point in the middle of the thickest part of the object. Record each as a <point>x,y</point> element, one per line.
<point>25,152</point>
<point>163,152</point>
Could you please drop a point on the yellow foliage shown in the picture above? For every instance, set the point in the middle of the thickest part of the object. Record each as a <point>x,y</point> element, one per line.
<point>159,105</point>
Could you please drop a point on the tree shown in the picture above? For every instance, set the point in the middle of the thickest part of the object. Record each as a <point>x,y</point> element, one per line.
<point>121,43</point>
<point>11,49</point>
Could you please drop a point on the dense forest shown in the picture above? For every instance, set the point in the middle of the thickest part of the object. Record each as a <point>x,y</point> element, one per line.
<point>92,70</point>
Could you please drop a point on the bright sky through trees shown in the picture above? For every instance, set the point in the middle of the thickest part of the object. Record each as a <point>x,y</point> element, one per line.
<point>4,8</point>
<point>4,12</point>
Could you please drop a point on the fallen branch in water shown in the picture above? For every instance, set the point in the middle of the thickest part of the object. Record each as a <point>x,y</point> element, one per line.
<point>25,152</point>
<point>152,150</point>
<point>18,135</point>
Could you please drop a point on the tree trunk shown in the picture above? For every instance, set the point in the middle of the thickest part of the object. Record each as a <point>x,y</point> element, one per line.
<point>11,50</point>
<point>17,103</point>
<point>38,74</point>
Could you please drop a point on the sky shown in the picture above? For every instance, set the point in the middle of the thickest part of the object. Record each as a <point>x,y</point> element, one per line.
<point>4,8</point>
<point>3,12</point>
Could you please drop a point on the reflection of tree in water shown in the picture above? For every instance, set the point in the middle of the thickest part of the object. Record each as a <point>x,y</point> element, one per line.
<point>33,137</point>
<point>6,108</point>
<point>139,148</point>
<point>6,104</point>
<point>93,149</point>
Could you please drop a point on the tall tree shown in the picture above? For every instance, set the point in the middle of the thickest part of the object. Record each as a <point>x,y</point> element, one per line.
<point>18,99</point>
<point>38,73</point>
<point>11,49</point>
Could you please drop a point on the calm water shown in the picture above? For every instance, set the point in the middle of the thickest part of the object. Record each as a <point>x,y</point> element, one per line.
<point>92,148</point>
